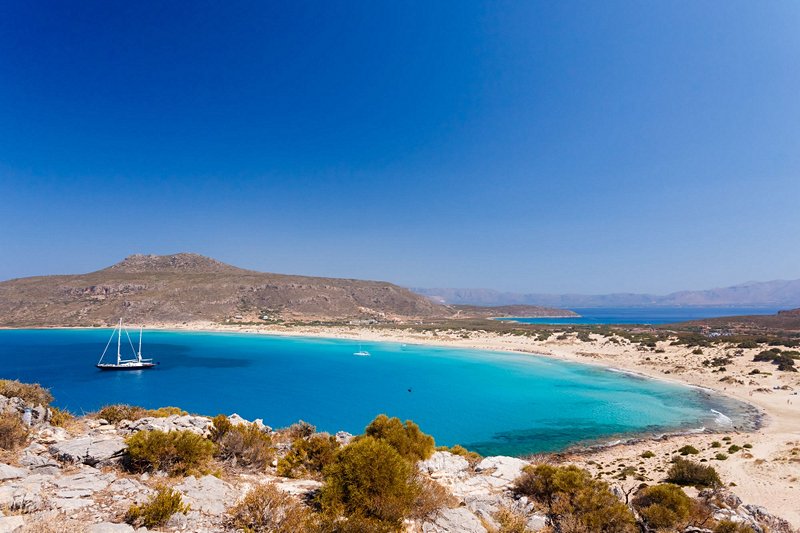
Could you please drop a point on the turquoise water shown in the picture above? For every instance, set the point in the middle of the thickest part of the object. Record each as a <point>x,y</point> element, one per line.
<point>493,402</point>
<point>644,315</point>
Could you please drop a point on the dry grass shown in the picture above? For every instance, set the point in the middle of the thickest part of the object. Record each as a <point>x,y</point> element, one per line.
<point>267,508</point>
<point>13,433</point>
<point>32,393</point>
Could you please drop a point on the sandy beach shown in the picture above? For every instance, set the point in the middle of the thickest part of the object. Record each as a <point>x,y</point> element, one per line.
<point>766,472</point>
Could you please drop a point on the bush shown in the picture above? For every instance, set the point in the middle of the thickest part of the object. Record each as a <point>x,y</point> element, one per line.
<point>308,456</point>
<point>32,393</point>
<point>408,440</point>
<point>157,511</point>
<point>176,452</point>
<point>242,444</point>
<point>267,508</point>
<point>369,479</point>
<point>511,521</point>
<point>13,433</point>
<point>721,456</point>
<point>716,444</point>
<point>688,450</point>
<point>728,526</point>
<point>116,413</point>
<point>733,448</point>
<point>572,497</point>
<point>685,472</point>
<point>662,506</point>
<point>647,454</point>
<point>431,497</point>
<point>60,417</point>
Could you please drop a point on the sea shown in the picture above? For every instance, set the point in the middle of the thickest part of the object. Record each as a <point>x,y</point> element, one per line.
<point>643,315</point>
<point>490,402</point>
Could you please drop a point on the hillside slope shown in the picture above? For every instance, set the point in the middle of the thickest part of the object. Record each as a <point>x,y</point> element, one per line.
<point>189,287</point>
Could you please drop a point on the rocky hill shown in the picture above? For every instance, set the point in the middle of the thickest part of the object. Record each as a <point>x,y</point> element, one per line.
<point>777,293</point>
<point>190,288</point>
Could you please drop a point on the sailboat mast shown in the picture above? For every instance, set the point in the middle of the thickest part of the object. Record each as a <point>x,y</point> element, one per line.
<point>139,355</point>
<point>119,340</point>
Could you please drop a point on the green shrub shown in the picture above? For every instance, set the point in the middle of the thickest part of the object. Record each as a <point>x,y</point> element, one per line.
<point>688,450</point>
<point>685,472</point>
<point>308,455</point>
<point>733,448</point>
<point>571,496</point>
<point>157,511</point>
<point>368,479</point>
<point>32,393</point>
<point>242,444</point>
<point>176,452</point>
<point>647,454</point>
<point>268,509</point>
<point>13,433</point>
<point>407,439</point>
<point>747,445</point>
<point>716,444</point>
<point>721,456</point>
<point>662,506</point>
<point>115,413</point>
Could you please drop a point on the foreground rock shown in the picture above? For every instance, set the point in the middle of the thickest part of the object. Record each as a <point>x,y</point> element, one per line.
<point>90,450</point>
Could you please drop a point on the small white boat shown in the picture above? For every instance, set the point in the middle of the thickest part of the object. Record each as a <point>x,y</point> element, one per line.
<point>137,363</point>
<point>361,352</point>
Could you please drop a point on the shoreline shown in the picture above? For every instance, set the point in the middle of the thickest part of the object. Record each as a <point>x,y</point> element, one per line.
<point>766,474</point>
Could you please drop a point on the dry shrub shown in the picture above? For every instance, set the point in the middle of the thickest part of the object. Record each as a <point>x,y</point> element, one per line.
<point>242,444</point>
<point>308,456</point>
<point>118,412</point>
<point>176,452</point>
<point>728,526</point>
<point>267,508</point>
<point>431,498</point>
<point>158,509</point>
<point>51,524</point>
<point>13,433</point>
<point>60,417</point>
<point>32,393</point>
<point>511,521</point>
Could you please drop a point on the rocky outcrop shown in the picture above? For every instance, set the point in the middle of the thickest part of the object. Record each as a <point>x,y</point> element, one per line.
<point>90,450</point>
<point>196,424</point>
<point>454,520</point>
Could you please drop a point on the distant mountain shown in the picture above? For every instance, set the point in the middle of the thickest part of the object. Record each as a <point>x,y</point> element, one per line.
<point>779,293</point>
<point>189,287</point>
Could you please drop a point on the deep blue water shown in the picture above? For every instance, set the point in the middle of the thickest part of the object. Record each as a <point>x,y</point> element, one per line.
<point>645,315</point>
<point>493,402</point>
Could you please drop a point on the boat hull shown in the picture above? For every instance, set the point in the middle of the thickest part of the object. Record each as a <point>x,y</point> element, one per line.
<point>138,366</point>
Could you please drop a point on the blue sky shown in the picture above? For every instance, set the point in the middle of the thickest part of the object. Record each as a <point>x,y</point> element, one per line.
<point>528,146</point>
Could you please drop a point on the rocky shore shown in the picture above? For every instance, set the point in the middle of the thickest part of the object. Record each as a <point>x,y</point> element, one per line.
<point>71,479</point>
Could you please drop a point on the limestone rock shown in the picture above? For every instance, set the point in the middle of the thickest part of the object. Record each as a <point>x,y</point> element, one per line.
<point>92,450</point>
<point>458,520</point>
<point>196,424</point>
<point>504,469</point>
<point>207,494</point>
<point>11,472</point>
<point>10,523</point>
<point>445,466</point>
<point>109,527</point>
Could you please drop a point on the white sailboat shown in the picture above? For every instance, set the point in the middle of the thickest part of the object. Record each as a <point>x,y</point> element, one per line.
<point>137,363</point>
<point>361,351</point>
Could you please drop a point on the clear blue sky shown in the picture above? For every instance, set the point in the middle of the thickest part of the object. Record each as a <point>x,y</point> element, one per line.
<point>529,146</point>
